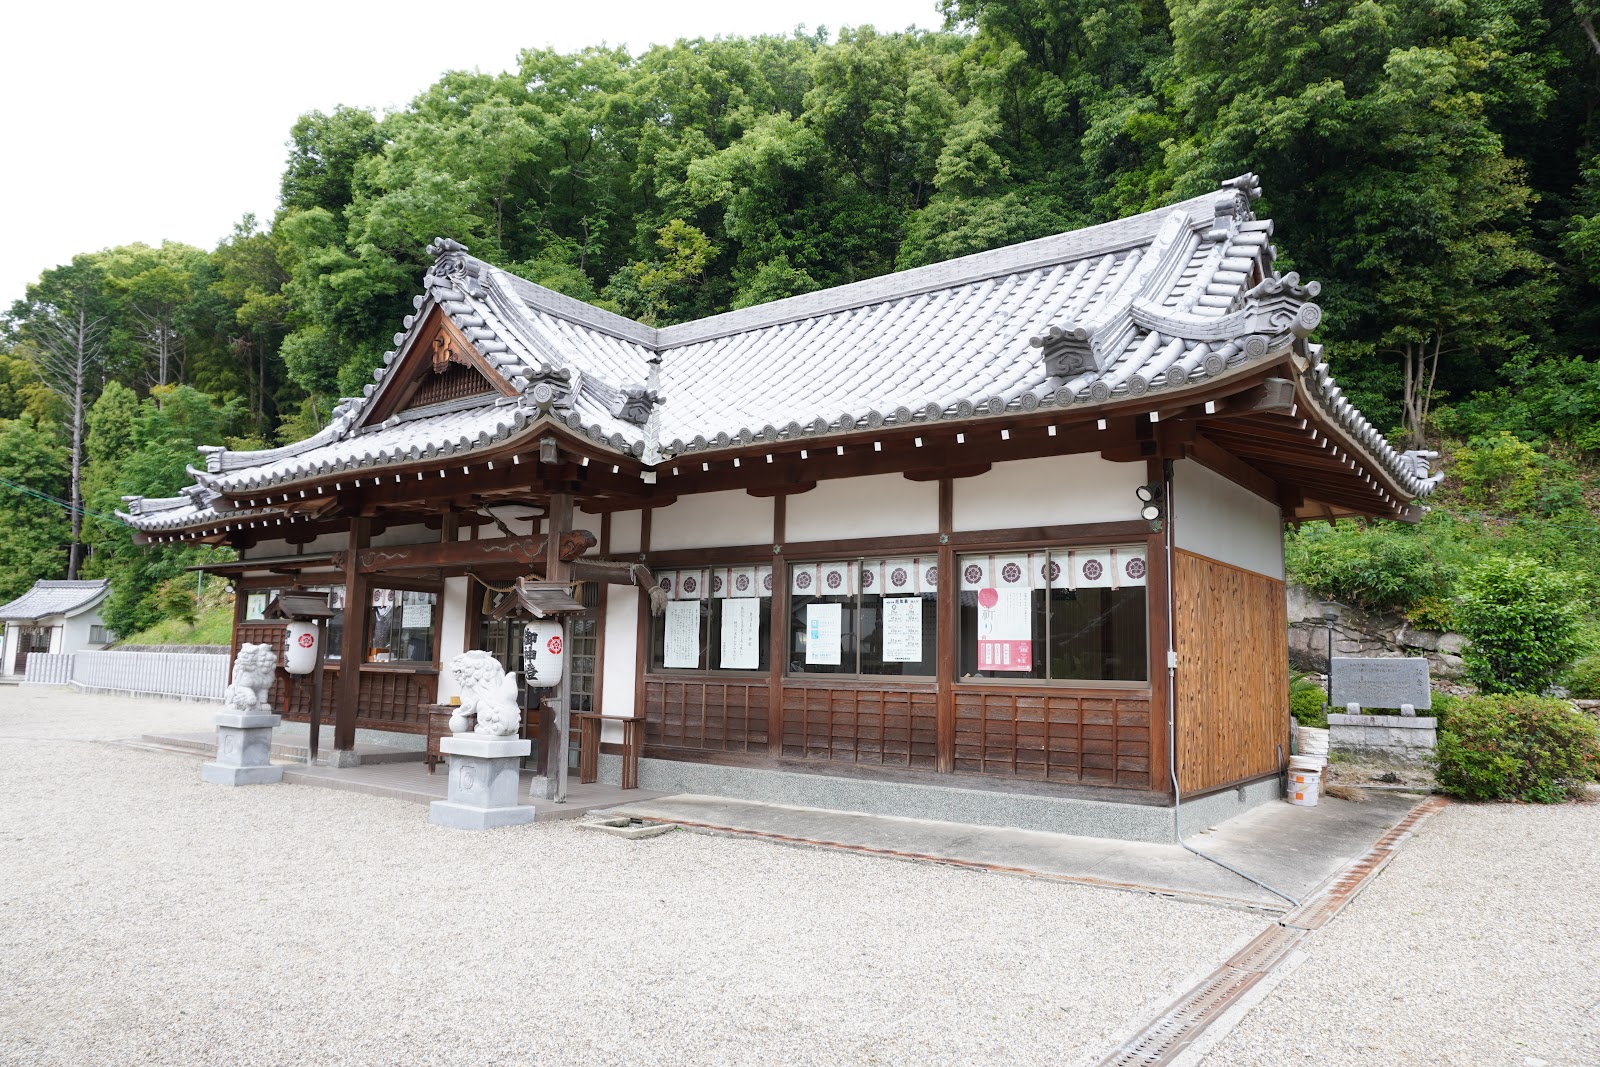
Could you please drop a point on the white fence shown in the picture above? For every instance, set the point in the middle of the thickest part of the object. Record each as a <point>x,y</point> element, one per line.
<point>44,669</point>
<point>173,674</point>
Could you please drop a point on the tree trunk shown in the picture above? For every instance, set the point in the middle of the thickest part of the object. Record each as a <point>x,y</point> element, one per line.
<point>76,493</point>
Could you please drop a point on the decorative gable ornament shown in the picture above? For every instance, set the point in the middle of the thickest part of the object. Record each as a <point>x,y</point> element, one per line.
<point>452,267</point>
<point>634,404</point>
<point>551,390</point>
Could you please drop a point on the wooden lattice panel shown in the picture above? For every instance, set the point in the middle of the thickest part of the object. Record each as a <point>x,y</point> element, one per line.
<point>1050,736</point>
<point>455,382</point>
<point>851,724</point>
<point>705,716</point>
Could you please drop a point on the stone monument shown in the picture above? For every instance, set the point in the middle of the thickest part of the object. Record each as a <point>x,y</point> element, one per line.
<point>1382,682</point>
<point>484,764</point>
<point>245,723</point>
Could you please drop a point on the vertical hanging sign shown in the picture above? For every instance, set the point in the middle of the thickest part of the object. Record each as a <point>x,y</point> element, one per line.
<point>682,634</point>
<point>741,634</point>
<point>1005,629</point>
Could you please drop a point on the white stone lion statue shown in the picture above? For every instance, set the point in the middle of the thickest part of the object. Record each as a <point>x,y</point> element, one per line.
<point>253,670</point>
<point>487,691</point>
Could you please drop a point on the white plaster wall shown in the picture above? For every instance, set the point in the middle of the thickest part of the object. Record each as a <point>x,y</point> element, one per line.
<point>878,505</point>
<point>712,520</point>
<point>621,642</point>
<point>9,650</point>
<point>452,633</point>
<point>1214,517</point>
<point>625,531</point>
<point>328,542</point>
<point>57,635</point>
<point>266,549</point>
<point>1053,491</point>
<point>75,635</point>
<point>405,535</point>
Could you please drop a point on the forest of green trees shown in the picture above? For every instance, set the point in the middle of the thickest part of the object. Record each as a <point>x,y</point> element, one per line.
<point>1432,162</point>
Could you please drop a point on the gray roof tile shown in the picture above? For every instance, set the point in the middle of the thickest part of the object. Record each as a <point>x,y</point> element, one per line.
<point>1159,301</point>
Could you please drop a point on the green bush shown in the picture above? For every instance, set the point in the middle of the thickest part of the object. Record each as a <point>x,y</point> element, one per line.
<point>1306,702</point>
<point>1516,747</point>
<point>1522,623</point>
<point>1583,680</point>
<point>1379,568</point>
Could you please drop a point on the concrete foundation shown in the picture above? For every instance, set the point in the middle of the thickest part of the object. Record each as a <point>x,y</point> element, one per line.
<point>1395,738</point>
<point>482,790</point>
<point>244,751</point>
<point>1025,811</point>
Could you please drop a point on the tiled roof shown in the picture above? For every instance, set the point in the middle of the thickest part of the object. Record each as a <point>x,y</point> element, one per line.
<point>55,598</point>
<point>1161,302</point>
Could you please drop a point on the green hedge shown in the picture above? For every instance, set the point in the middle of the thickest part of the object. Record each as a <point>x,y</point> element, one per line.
<point>1516,747</point>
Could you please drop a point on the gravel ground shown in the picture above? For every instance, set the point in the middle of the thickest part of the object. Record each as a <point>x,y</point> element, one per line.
<point>147,918</point>
<point>1479,944</point>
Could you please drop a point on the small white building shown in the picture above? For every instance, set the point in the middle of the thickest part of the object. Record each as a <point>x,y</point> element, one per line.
<point>54,617</point>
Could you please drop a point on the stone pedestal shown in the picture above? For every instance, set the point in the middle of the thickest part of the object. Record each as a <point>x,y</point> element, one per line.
<point>484,775</point>
<point>244,751</point>
<point>1397,738</point>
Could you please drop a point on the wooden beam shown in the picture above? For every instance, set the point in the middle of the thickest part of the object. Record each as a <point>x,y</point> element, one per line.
<point>935,474</point>
<point>1210,455</point>
<point>781,490</point>
<point>524,551</point>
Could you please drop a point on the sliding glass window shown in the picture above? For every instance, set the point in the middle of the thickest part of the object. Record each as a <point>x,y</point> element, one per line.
<point>717,619</point>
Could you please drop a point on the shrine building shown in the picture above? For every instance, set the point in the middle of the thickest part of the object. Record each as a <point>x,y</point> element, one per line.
<point>983,540</point>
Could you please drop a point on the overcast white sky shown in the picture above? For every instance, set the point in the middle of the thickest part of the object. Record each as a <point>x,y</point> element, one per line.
<point>167,121</point>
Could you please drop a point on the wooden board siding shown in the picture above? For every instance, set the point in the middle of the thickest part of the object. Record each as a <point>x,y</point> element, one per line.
<point>1231,633</point>
<point>389,699</point>
<point>706,716</point>
<point>1094,738</point>
<point>851,723</point>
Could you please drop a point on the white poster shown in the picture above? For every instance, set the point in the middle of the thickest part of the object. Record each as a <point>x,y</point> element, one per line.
<point>822,633</point>
<point>416,616</point>
<point>741,634</point>
<point>255,606</point>
<point>1005,630</point>
<point>902,629</point>
<point>682,636</point>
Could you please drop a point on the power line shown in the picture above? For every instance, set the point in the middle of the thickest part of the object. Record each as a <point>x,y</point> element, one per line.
<point>58,502</point>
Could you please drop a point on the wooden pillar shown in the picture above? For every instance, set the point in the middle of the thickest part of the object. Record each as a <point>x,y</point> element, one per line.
<point>778,649</point>
<point>949,601</point>
<point>353,650</point>
<point>554,758</point>
<point>1160,638</point>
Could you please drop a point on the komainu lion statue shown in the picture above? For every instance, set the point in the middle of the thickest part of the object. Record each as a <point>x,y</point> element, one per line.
<point>487,691</point>
<point>253,670</point>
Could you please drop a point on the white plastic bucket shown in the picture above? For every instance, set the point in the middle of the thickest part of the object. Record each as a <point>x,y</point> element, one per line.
<point>1305,786</point>
<point>1313,742</point>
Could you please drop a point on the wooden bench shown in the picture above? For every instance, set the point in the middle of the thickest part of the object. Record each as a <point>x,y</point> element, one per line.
<point>589,747</point>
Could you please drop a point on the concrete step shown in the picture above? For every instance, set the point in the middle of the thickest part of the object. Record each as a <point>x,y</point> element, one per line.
<point>286,750</point>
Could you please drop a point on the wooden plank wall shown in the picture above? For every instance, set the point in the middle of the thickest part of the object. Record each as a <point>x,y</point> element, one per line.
<point>1231,633</point>
<point>706,716</point>
<point>873,727</point>
<point>1093,738</point>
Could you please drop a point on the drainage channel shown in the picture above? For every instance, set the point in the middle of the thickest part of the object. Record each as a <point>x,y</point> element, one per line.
<point>1177,1028</point>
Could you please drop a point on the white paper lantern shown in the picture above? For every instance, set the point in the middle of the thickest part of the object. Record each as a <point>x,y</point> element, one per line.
<point>544,652</point>
<point>300,647</point>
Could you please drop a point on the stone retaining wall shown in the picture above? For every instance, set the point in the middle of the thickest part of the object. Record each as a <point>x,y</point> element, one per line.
<point>1359,633</point>
<point>1384,738</point>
